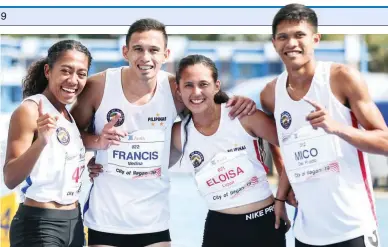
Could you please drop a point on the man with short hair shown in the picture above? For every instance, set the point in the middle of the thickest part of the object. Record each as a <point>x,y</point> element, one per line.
<point>134,108</point>
<point>319,108</point>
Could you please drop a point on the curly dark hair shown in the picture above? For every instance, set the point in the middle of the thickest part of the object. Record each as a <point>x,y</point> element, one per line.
<point>35,82</point>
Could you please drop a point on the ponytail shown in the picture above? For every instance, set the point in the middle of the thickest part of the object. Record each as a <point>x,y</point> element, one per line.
<point>35,82</point>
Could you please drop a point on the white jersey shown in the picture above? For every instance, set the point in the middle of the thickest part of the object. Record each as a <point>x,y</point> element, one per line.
<point>56,175</point>
<point>330,177</point>
<point>228,167</point>
<point>131,195</point>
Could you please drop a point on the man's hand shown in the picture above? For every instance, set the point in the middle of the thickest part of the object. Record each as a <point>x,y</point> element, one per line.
<point>94,169</point>
<point>320,118</point>
<point>241,106</point>
<point>291,200</point>
<point>281,213</point>
<point>110,135</point>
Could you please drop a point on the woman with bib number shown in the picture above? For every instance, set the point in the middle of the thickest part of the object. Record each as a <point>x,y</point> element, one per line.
<point>228,167</point>
<point>45,153</point>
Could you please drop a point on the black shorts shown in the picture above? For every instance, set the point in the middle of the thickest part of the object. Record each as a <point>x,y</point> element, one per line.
<point>33,227</point>
<point>123,240</point>
<point>255,229</point>
<point>356,242</point>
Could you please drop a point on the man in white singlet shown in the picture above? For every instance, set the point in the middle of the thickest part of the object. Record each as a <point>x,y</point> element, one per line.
<point>134,108</point>
<point>326,120</point>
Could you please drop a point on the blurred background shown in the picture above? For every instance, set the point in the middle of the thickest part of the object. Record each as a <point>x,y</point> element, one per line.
<point>245,62</point>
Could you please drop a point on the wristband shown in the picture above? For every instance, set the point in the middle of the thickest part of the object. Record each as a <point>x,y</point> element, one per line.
<point>280,200</point>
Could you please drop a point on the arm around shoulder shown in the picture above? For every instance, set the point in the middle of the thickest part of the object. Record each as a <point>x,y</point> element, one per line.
<point>261,125</point>
<point>88,100</point>
<point>267,97</point>
<point>86,105</point>
<point>180,107</point>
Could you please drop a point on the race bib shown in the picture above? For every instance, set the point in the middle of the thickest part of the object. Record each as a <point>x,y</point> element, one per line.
<point>310,154</point>
<point>74,167</point>
<point>139,155</point>
<point>227,176</point>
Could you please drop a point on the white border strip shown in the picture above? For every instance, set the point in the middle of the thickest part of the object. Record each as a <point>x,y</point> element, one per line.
<point>191,3</point>
<point>183,30</point>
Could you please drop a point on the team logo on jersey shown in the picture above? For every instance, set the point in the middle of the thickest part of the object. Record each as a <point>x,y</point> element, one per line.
<point>285,119</point>
<point>196,158</point>
<point>157,120</point>
<point>63,136</point>
<point>113,113</point>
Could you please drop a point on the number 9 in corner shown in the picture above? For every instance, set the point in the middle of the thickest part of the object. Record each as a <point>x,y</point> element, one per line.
<point>3,16</point>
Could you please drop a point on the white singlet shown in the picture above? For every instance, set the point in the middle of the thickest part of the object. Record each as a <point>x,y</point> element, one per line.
<point>131,195</point>
<point>56,175</point>
<point>228,167</point>
<point>330,177</point>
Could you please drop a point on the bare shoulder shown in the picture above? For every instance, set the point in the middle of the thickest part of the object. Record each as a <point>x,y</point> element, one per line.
<point>346,80</point>
<point>345,75</point>
<point>25,115</point>
<point>96,80</point>
<point>267,96</point>
<point>28,108</point>
<point>270,87</point>
<point>93,90</point>
<point>94,84</point>
<point>344,71</point>
<point>89,100</point>
<point>248,121</point>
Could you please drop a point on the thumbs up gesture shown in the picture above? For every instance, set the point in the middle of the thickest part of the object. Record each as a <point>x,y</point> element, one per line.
<point>46,123</point>
<point>111,135</point>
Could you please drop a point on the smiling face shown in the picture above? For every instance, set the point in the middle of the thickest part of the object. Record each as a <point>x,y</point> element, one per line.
<point>146,52</point>
<point>295,41</point>
<point>68,76</point>
<point>197,88</point>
